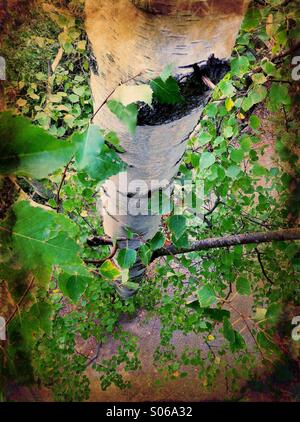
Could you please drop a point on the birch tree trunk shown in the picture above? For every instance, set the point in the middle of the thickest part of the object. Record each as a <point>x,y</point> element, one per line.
<point>133,36</point>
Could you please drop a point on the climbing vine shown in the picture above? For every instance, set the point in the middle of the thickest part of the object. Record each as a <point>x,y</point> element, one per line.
<point>56,265</point>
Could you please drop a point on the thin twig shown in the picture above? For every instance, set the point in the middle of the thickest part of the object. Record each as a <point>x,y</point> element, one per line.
<point>18,305</point>
<point>101,261</point>
<point>64,175</point>
<point>112,92</point>
<point>258,253</point>
<point>96,355</point>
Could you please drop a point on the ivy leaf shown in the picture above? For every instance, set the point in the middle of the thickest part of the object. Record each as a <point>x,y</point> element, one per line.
<point>243,286</point>
<point>126,258</point>
<point>126,114</point>
<point>128,94</point>
<point>177,225</point>
<point>28,150</point>
<point>166,91</point>
<point>206,296</point>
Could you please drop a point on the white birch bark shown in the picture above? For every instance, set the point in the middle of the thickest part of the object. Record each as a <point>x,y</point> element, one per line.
<point>132,36</point>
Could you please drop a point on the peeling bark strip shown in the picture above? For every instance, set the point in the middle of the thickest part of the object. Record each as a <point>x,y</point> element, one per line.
<point>195,7</point>
<point>233,240</point>
<point>143,36</point>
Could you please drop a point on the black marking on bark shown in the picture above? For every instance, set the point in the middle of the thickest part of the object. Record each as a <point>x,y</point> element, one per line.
<point>193,90</point>
<point>110,215</point>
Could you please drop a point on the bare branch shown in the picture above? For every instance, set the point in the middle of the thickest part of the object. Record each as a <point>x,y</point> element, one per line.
<point>233,240</point>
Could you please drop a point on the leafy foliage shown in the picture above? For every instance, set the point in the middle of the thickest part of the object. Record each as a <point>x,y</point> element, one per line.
<point>27,150</point>
<point>193,293</point>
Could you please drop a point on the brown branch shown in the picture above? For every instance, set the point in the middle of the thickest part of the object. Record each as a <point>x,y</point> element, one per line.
<point>92,360</point>
<point>233,240</point>
<point>112,92</point>
<point>258,253</point>
<point>101,261</point>
<point>19,304</point>
<point>102,241</point>
<point>286,53</point>
<point>63,178</point>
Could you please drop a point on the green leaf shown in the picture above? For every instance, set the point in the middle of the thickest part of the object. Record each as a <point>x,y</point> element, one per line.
<point>245,143</point>
<point>27,150</point>
<point>278,96</point>
<point>109,270</point>
<point>157,241</point>
<point>273,312</point>
<point>73,281</point>
<point>73,286</point>
<point>43,312</point>
<point>37,319</point>
<point>94,157</point>
<point>207,159</point>
<point>228,331</point>
<point>252,19</point>
<point>211,110</point>
<point>126,258</point>
<point>204,138</point>
<point>166,92</point>
<point>233,171</point>
<point>206,296</point>
<point>254,122</point>
<point>256,95</point>
<point>42,239</point>
<point>145,254</point>
<point>243,286</point>
<point>265,343</point>
<point>177,225</point>
<point>239,65</point>
<point>126,114</point>
<point>129,94</point>
<point>258,170</point>
<point>227,88</point>
<point>167,72</point>
<point>90,146</point>
<point>237,155</point>
<point>259,78</point>
<point>216,314</point>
